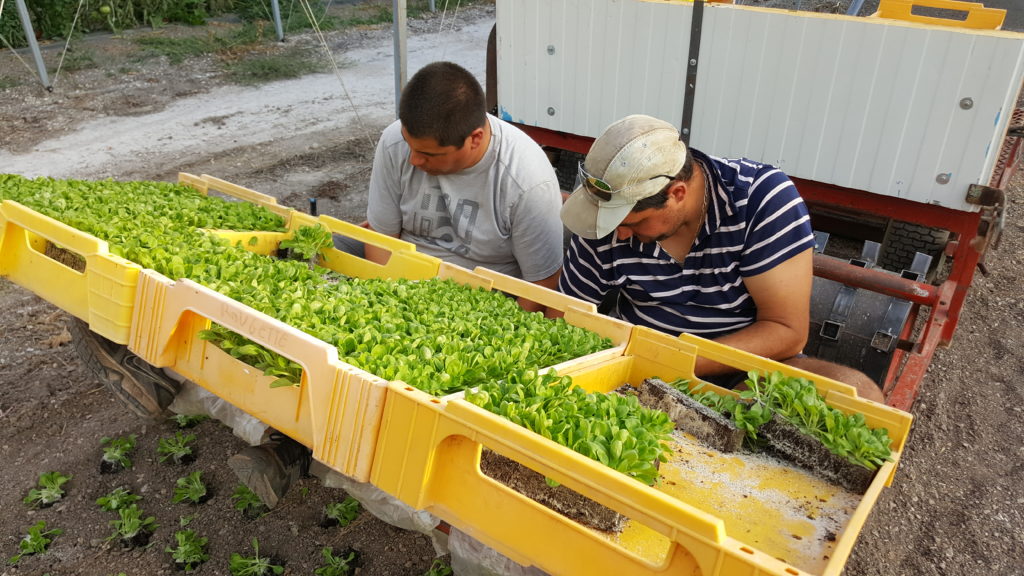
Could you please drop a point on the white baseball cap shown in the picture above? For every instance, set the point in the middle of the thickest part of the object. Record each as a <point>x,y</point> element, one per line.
<point>634,158</point>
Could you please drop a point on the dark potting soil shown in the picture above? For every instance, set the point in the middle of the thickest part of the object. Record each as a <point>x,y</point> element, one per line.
<point>690,416</point>
<point>139,540</point>
<point>789,443</point>
<point>107,467</point>
<point>561,499</point>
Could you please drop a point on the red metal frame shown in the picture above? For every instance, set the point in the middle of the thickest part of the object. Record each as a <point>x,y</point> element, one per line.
<point>943,302</point>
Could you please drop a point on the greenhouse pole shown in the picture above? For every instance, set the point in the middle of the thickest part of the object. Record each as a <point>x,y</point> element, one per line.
<point>30,35</point>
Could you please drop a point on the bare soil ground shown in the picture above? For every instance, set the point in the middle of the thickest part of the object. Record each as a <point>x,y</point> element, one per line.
<point>956,505</point>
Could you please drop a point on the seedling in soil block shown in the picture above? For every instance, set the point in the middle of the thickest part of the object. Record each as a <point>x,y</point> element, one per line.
<point>49,491</point>
<point>36,541</point>
<point>341,513</point>
<point>132,528</point>
<point>254,565</point>
<point>115,453</point>
<point>191,489</point>
<point>248,503</point>
<point>117,499</point>
<point>307,242</point>
<point>190,551</point>
<point>189,420</point>
<point>177,449</point>
<point>439,568</point>
<point>343,564</point>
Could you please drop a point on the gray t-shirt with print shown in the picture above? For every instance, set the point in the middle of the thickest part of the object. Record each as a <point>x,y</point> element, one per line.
<point>501,213</point>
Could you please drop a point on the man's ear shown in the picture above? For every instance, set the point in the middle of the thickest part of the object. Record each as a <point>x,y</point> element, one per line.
<point>677,190</point>
<point>476,138</point>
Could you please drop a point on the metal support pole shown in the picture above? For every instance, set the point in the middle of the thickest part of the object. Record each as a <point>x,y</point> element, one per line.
<point>276,9</point>
<point>399,31</point>
<point>30,35</point>
<point>433,8</point>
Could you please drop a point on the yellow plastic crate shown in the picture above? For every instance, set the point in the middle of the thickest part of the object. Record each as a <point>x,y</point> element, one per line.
<point>336,410</point>
<point>102,293</point>
<point>429,450</point>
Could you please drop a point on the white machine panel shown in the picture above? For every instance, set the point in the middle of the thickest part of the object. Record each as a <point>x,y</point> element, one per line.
<point>890,107</point>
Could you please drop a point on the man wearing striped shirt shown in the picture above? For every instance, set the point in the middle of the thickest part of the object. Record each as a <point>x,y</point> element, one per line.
<point>690,243</point>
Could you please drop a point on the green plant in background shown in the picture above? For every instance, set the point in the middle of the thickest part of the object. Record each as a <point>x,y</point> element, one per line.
<point>439,568</point>
<point>117,450</point>
<point>254,565</point>
<point>49,490</point>
<point>131,522</point>
<point>247,502</point>
<point>344,512</point>
<point>176,448</point>
<point>615,430</point>
<point>117,499</point>
<point>190,550</point>
<point>342,564</point>
<point>190,488</point>
<point>36,541</point>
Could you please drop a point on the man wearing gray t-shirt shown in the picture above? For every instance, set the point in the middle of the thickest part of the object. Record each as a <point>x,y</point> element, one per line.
<point>464,186</point>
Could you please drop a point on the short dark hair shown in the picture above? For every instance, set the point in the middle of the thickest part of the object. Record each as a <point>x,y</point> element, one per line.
<point>442,101</point>
<point>658,200</point>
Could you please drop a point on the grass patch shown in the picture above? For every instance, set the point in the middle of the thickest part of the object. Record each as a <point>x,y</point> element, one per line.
<point>291,63</point>
<point>7,83</point>
<point>76,60</point>
<point>177,50</point>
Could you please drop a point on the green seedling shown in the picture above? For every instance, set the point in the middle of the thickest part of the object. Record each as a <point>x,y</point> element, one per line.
<point>343,513</point>
<point>177,448</point>
<point>190,489</point>
<point>116,452</point>
<point>439,568</point>
<point>117,499</point>
<point>615,430</point>
<point>308,242</point>
<point>247,502</point>
<point>190,551</point>
<point>132,527</point>
<point>254,565</point>
<point>341,565</point>
<point>36,541</point>
<point>189,420</point>
<point>49,490</point>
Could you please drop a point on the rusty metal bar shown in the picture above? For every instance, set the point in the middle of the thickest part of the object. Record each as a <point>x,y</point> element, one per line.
<point>874,280</point>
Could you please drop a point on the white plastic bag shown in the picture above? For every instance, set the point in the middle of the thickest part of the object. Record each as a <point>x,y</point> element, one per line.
<point>193,399</point>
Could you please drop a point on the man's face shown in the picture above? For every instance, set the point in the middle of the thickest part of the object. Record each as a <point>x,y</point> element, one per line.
<point>652,225</point>
<point>434,159</point>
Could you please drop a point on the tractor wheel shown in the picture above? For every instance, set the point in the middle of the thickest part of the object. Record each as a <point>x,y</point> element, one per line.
<point>567,168</point>
<point>903,240</point>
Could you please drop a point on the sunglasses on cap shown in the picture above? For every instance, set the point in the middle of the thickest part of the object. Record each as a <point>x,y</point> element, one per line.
<point>600,189</point>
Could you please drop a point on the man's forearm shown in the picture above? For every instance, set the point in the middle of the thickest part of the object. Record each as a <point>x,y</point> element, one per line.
<point>763,338</point>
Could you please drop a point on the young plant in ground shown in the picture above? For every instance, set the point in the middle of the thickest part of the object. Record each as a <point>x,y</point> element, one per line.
<point>190,489</point>
<point>36,541</point>
<point>190,551</point>
<point>177,448</point>
<point>49,490</point>
<point>189,420</point>
<point>343,564</point>
<point>132,527</point>
<point>247,502</point>
<point>117,499</point>
<point>342,513</point>
<point>439,568</point>
<point>254,565</point>
<point>116,453</point>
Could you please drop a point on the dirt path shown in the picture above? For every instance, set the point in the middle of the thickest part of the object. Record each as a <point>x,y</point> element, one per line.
<point>955,506</point>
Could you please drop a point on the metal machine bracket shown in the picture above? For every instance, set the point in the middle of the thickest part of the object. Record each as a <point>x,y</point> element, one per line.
<point>692,59</point>
<point>832,328</point>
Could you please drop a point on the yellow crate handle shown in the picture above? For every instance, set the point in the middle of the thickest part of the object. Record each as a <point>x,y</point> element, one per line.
<point>978,17</point>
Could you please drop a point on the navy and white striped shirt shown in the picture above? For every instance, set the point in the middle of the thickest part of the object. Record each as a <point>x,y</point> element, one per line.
<point>756,220</point>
